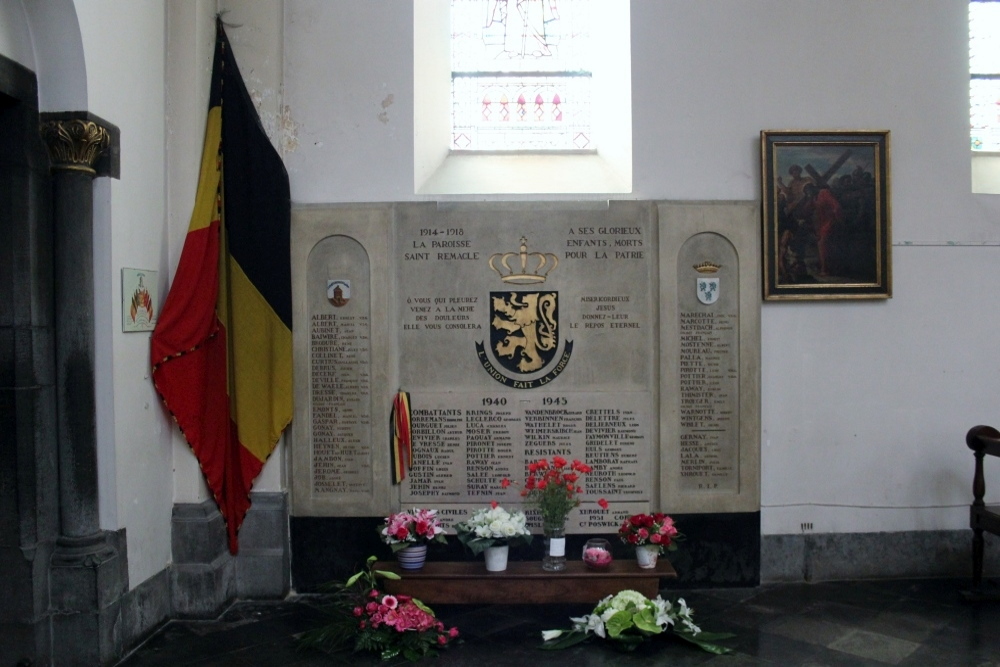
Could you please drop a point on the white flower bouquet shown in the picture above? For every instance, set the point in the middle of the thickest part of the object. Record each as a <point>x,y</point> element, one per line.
<point>493,527</point>
<point>629,618</point>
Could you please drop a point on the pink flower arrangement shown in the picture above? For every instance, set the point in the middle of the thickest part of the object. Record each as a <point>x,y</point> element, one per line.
<point>364,618</point>
<point>398,612</point>
<point>650,529</point>
<point>597,557</point>
<point>417,526</point>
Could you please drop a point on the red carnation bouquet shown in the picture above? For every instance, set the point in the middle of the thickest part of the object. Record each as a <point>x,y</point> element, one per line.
<point>650,529</point>
<point>553,488</point>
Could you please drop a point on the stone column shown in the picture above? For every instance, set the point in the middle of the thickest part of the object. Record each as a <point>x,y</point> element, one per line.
<point>88,575</point>
<point>74,147</point>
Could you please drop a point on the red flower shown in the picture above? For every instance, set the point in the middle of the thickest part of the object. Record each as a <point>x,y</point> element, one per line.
<point>402,533</point>
<point>494,504</point>
<point>558,461</point>
<point>453,632</point>
<point>442,640</point>
<point>603,503</point>
<point>504,483</point>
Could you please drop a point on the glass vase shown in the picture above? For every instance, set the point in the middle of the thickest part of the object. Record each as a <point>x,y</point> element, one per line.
<point>554,559</point>
<point>597,553</point>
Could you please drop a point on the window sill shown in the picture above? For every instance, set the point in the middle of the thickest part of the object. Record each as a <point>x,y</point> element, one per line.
<point>985,173</point>
<point>535,173</point>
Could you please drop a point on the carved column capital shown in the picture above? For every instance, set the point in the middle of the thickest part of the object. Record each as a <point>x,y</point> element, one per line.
<point>75,144</point>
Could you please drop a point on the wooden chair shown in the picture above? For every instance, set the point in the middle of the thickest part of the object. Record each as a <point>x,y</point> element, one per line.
<point>982,440</point>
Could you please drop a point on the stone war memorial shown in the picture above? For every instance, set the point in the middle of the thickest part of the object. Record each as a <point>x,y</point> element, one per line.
<point>624,334</point>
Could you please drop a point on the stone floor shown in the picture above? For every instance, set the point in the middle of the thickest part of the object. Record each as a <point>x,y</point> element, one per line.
<point>923,622</point>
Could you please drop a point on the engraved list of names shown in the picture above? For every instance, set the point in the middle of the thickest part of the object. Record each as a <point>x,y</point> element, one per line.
<point>709,401</point>
<point>340,359</point>
<point>465,444</point>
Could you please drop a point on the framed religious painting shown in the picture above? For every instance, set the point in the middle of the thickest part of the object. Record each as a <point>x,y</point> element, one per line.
<point>825,214</point>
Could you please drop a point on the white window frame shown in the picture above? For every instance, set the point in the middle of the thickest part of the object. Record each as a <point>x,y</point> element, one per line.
<point>437,170</point>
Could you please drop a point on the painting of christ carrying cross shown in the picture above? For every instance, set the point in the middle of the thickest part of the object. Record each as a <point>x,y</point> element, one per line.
<point>825,215</point>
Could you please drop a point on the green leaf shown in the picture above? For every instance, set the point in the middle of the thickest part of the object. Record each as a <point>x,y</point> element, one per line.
<point>354,578</point>
<point>420,605</point>
<point>618,623</point>
<point>570,638</point>
<point>628,642</point>
<point>705,640</point>
<point>645,620</point>
<point>385,574</point>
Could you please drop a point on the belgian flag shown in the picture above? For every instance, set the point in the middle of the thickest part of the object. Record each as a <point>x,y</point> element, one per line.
<point>222,347</point>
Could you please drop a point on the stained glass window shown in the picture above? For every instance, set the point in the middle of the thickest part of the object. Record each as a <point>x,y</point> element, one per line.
<point>984,66</point>
<point>521,75</point>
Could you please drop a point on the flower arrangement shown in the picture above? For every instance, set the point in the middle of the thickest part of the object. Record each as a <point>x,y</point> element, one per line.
<point>361,617</point>
<point>629,618</point>
<point>650,530</point>
<point>406,529</point>
<point>552,488</point>
<point>597,554</point>
<point>493,527</point>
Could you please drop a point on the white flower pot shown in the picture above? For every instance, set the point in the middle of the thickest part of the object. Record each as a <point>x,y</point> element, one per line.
<point>496,558</point>
<point>646,556</point>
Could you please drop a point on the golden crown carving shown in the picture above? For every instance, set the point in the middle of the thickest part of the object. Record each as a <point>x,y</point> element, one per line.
<point>707,267</point>
<point>544,263</point>
<point>75,144</point>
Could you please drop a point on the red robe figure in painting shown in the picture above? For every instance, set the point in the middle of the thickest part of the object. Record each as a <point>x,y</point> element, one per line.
<point>826,215</point>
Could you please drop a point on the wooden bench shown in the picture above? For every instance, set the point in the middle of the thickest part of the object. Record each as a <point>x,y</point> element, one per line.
<point>982,440</point>
<point>523,582</point>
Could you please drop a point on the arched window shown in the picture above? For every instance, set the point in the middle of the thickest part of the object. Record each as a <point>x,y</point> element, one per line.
<point>521,75</point>
<point>984,94</point>
<point>525,96</point>
<point>984,69</point>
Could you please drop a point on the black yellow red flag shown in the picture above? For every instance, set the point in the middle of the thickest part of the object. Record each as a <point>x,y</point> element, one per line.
<point>402,445</point>
<point>222,347</point>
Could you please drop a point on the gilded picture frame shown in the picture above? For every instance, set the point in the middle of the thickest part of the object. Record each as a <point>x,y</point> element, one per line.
<point>825,215</point>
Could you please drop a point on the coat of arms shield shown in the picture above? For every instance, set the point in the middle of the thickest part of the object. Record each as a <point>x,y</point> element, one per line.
<point>524,332</point>
<point>708,290</point>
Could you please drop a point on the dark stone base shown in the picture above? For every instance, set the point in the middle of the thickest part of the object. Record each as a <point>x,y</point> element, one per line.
<point>205,577</point>
<point>143,609</point>
<point>202,578</point>
<point>719,549</point>
<point>844,556</point>
<point>262,565</point>
<point>86,592</point>
<point>24,621</point>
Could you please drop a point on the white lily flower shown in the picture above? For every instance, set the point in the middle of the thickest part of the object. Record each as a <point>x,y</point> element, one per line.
<point>551,634</point>
<point>663,617</point>
<point>691,627</point>
<point>590,623</point>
